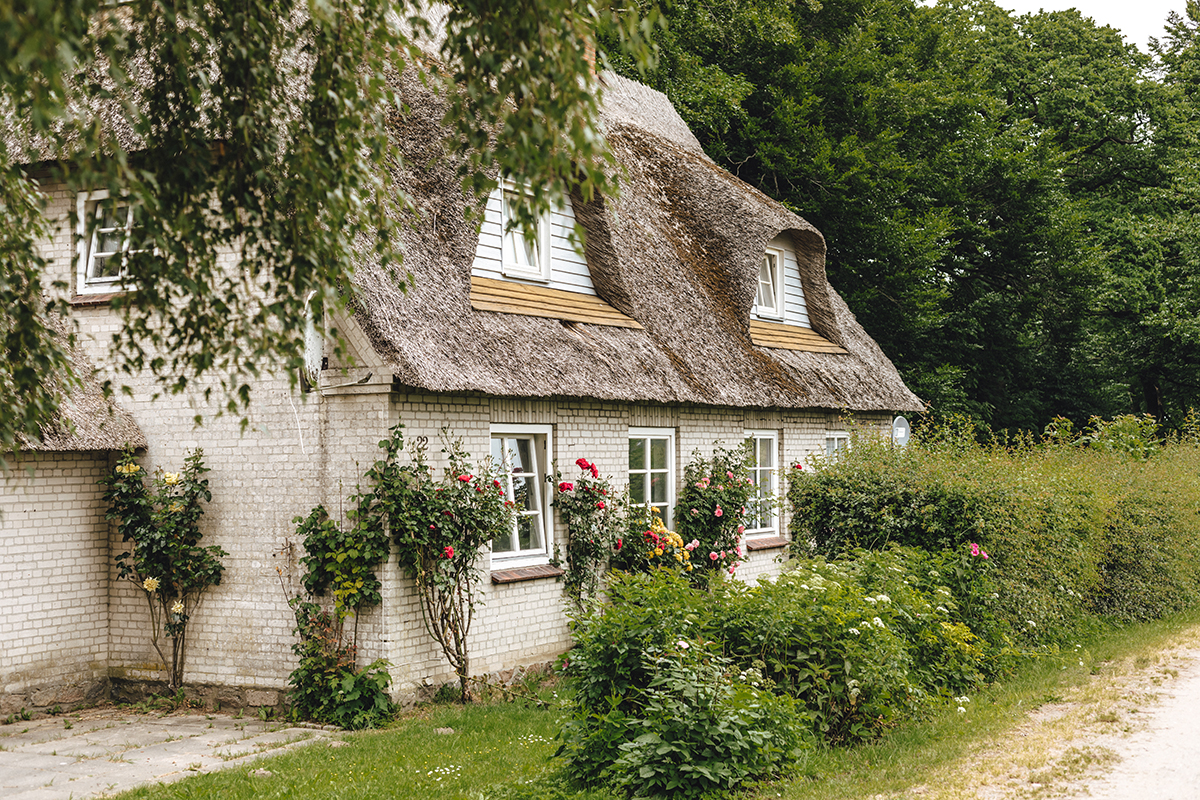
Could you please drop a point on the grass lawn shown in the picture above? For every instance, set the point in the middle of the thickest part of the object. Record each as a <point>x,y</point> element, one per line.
<point>509,744</point>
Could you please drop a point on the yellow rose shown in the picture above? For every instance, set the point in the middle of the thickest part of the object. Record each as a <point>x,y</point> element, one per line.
<point>150,584</point>
<point>171,479</point>
<point>658,551</point>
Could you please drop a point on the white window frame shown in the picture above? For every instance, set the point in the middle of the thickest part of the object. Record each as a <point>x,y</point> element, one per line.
<point>543,453</point>
<point>509,267</point>
<point>775,311</point>
<point>86,206</point>
<point>773,470</point>
<point>835,443</point>
<point>646,434</point>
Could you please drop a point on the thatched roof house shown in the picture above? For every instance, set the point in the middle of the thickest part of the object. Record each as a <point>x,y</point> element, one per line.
<point>674,262</point>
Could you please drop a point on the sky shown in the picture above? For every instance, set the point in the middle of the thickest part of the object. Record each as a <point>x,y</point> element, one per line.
<point>1138,20</point>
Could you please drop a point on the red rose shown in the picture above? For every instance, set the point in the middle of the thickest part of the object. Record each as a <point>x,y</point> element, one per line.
<point>600,504</point>
<point>448,552</point>
<point>565,486</point>
<point>464,478</point>
<point>582,463</point>
<point>619,543</point>
<point>595,472</point>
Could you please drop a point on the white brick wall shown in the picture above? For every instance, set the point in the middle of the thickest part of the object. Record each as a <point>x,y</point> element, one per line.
<point>53,571</point>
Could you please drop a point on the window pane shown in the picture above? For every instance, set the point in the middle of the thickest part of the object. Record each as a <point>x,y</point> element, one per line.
<point>766,454</point>
<point>637,489</point>
<point>105,267</point>
<point>658,487</point>
<point>518,250</point>
<point>637,454</point>
<point>658,454</point>
<point>525,462</point>
<point>498,453</point>
<point>529,534</point>
<point>503,543</point>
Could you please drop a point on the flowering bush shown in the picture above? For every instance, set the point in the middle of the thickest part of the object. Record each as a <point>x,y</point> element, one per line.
<point>594,514</point>
<point>711,511</point>
<point>649,545</point>
<point>167,563</point>
<point>440,527</point>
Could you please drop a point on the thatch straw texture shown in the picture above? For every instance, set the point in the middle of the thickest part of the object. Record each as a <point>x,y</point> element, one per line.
<point>86,419</point>
<point>678,251</point>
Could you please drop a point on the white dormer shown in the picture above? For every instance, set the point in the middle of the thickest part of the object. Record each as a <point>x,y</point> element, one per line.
<point>550,259</point>
<point>780,295</point>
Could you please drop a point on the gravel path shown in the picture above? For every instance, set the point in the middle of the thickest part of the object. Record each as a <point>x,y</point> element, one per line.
<point>1162,760</point>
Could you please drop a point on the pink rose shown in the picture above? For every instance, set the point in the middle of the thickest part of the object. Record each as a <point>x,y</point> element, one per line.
<point>713,556</point>
<point>729,475</point>
<point>974,549</point>
<point>565,487</point>
<point>983,553</point>
<point>741,529</point>
<point>718,512</point>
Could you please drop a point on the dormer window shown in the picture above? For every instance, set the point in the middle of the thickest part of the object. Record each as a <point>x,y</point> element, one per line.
<point>106,229</point>
<point>769,300</point>
<point>521,255</point>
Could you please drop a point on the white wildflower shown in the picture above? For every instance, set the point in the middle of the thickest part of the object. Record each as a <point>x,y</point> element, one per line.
<point>962,710</point>
<point>877,622</point>
<point>854,631</point>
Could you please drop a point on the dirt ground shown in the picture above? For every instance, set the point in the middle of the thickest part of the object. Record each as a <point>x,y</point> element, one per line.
<point>1132,732</point>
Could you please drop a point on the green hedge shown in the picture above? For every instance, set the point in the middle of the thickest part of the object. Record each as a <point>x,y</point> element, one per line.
<point>1074,528</point>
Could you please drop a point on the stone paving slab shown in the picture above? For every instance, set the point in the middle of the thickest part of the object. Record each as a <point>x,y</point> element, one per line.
<point>106,751</point>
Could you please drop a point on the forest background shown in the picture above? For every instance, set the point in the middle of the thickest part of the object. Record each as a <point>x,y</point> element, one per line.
<point>1009,202</point>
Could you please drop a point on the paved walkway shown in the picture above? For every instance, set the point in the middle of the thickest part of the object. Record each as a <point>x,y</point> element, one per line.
<point>97,752</point>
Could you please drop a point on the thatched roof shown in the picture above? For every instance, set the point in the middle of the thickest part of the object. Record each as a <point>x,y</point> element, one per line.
<point>86,419</point>
<point>678,251</point>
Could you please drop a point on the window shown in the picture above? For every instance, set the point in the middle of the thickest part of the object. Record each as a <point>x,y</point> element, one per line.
<point>522,257</point>
<point>761,518</point>
<point>652,470</point>
<point>835,443</point>
<point>106,229</point>
<point>769,300</point>
<point>522,452</point>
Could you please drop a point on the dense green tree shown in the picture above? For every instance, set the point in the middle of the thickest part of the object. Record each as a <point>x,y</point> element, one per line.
<point>972,172</point>
<point>259,127</point>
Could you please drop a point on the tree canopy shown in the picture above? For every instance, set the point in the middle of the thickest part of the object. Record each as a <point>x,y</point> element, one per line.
<point>1008,201</point>
<point>256,129</point>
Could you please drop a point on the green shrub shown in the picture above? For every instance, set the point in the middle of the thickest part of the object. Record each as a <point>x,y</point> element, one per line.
<point>327,685</point>
<point>658,709</point>
<point>820,640</point>
<point>1075,525</point>
<point>703,727</point>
